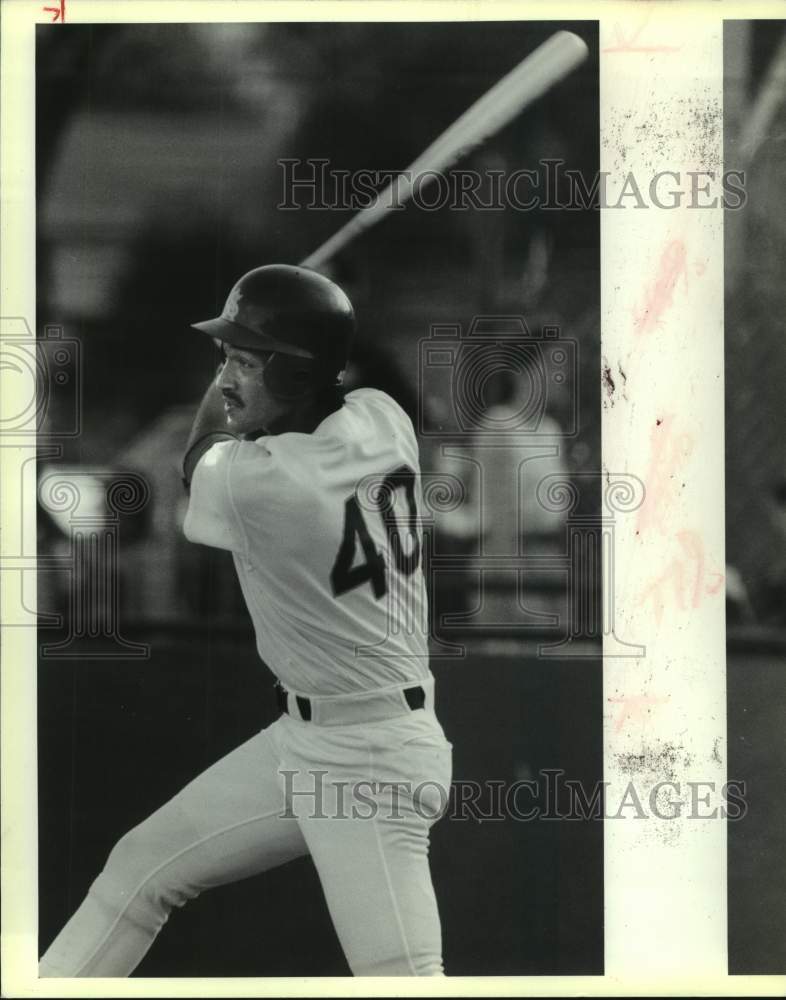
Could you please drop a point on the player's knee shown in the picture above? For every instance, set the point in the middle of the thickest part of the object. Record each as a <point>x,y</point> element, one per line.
<point>132,858</point>
<point>138,883</point>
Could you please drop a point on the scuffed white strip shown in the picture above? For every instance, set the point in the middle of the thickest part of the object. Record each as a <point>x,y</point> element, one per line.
<point>662,381</point>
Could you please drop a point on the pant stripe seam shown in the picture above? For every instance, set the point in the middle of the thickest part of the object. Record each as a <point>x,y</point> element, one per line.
<point>389,881</point>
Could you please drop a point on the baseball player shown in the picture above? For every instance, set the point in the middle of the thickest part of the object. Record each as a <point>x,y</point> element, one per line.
<point>316,494</point>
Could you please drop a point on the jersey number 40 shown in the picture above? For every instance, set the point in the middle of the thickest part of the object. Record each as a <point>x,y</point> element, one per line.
<point>345,575</point>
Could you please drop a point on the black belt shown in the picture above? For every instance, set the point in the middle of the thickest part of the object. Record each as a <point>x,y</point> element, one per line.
<point>415,697</point>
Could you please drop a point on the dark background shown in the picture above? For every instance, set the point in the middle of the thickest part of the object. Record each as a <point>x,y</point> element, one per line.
<point>755,349</point>
<point>157,187</point>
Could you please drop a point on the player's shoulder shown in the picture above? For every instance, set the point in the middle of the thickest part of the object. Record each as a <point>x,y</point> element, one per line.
<point>227,463</point>
<point>369,429</point>
<point>367,419</point>
<point>378,407</point>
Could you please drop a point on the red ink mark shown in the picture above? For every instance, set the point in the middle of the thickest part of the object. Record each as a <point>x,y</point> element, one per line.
<point>660,294</point>
<point>59,12</point>
<point>635,708</point>
<point>627,42</point>
<point>668,451</point>
<point>686,579</point>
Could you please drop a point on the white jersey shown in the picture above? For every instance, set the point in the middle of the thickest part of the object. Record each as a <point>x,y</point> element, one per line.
<point>326,536</point>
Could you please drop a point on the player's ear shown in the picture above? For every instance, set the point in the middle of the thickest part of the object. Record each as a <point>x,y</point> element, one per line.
<point>290,377</point>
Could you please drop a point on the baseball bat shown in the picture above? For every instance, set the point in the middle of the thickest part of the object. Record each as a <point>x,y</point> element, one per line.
<point>548,64</point>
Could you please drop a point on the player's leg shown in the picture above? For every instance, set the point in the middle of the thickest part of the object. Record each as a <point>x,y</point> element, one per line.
<point>224,826</point>
<point>370,841</point>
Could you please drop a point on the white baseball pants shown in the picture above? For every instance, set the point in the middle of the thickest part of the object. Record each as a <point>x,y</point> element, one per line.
<point>359,798</point>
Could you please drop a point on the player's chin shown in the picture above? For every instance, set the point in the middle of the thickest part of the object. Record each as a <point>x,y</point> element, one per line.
<point>234,417</point>
<point>240,423</point>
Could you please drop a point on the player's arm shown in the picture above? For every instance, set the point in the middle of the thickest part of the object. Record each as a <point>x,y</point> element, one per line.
<point>209,426</point>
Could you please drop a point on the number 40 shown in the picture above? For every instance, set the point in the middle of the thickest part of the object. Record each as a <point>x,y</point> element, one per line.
<point>345,576</point>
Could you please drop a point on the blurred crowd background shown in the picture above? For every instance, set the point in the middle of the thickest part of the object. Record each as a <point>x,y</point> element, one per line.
<point>158,182</point>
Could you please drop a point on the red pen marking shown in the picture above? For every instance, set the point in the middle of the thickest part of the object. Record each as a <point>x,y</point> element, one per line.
<point>59,12</point>
<point>659,296</point>
<point>685,581</point>
<point>627,43</point>
<point>668,451</point>
<point>634,708</point>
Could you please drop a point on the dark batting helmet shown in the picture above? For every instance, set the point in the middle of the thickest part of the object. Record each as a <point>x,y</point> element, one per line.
<point>302,318</point>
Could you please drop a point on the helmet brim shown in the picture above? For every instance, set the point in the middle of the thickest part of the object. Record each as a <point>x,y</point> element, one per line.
<point>251,340</point>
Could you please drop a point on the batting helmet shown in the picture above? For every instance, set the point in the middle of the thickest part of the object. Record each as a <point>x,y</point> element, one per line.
<point>304,319</point>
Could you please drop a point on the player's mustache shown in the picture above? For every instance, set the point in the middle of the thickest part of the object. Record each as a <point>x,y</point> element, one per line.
<point>231,397</point>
